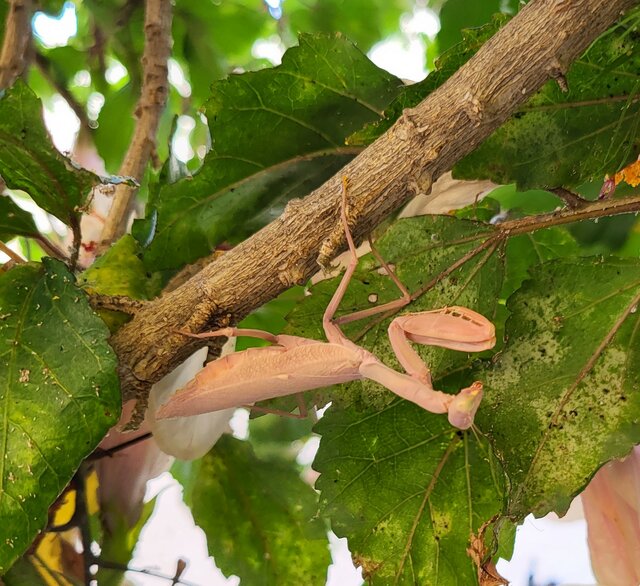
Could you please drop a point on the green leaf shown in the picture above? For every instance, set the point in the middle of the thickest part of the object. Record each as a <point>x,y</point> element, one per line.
<point>119,271</point>
<point>365,22</point>
<point>562,399</point>
<point>421,249</point>
<point>259,517</point>
<point>115,125</point>
<point>566,138</point>
<point>211,39</point>
<point>14,221</point>
<point>408,490</point>
<point>528,250</point>
<point>29,161</point>
<point>278,134</point>
<point>457,15</point>
<point>118,544</point>
<point>59,394</point>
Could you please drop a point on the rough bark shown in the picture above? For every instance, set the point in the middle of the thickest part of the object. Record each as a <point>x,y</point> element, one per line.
<point>17,36</point>
<point>535,46</point>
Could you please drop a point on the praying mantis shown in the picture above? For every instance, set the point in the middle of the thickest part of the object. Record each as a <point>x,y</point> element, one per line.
<point>294,364</point>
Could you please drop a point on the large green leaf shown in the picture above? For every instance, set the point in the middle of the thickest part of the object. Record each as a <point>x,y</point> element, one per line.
<point>29,161</point>
<point>408,490</point>
<point>562,398</point>
<point>14,221</point>
<point>528,250</point>
<point>456,15</point>
<point>278,134</point>
<point>259,517</point>
<point>58,390</point>
<point>566,138</point>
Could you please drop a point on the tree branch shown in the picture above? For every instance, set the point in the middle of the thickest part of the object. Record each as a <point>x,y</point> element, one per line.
<point>542,40</point>
<point>153,97</point>
<point>17,35</point>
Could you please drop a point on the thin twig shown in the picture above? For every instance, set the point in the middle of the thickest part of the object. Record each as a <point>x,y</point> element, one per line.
<point>107,565</point>
<point>153,97</point>
<point>591,211</point>
<point>17,36</point>
<point>14,256</point>
<point>83,523</point>
<point>44,65</point>
<point>100,453</point>
<point>49,247</point>
<point>572,200</point>
<point>74,223</point>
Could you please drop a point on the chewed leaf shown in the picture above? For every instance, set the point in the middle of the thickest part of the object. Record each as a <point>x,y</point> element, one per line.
<point>408,490</point>
<point>59,394</point>
<point>563,396</point>
<point>29,161</point>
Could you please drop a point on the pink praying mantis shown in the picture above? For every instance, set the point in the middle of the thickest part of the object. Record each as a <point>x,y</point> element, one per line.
<point>294,364</point>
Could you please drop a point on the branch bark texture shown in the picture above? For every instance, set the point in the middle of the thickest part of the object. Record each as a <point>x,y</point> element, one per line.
<point>17,36</point>
<point>153,98</point>
<point>535,46</point>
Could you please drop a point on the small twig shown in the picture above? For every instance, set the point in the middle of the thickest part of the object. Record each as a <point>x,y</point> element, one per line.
<point>180,568</point>
<point>14,256</point>
<point>74,223</point>
<point>120,303</point>
<point>17,36</point>
<point>49,247</point>
<point>44,65</point>
<point>153,97</point>
<point>590,211</point>
<point>572,200</point>
<point>123,568</point>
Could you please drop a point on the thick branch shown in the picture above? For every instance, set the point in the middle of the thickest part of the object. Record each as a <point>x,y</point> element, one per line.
<point>425,142</point>
<point>153,97</point>
<point>17,35</point>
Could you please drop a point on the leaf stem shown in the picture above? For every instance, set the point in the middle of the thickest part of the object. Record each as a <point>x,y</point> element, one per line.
<point>74,222</point>
<point>14,256</point>
<point>49,247</point>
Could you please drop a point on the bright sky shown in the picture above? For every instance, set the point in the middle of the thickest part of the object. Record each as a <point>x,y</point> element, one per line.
<point>553,551</point>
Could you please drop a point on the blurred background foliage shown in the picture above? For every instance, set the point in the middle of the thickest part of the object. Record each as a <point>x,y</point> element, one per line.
<point>96,70</point>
